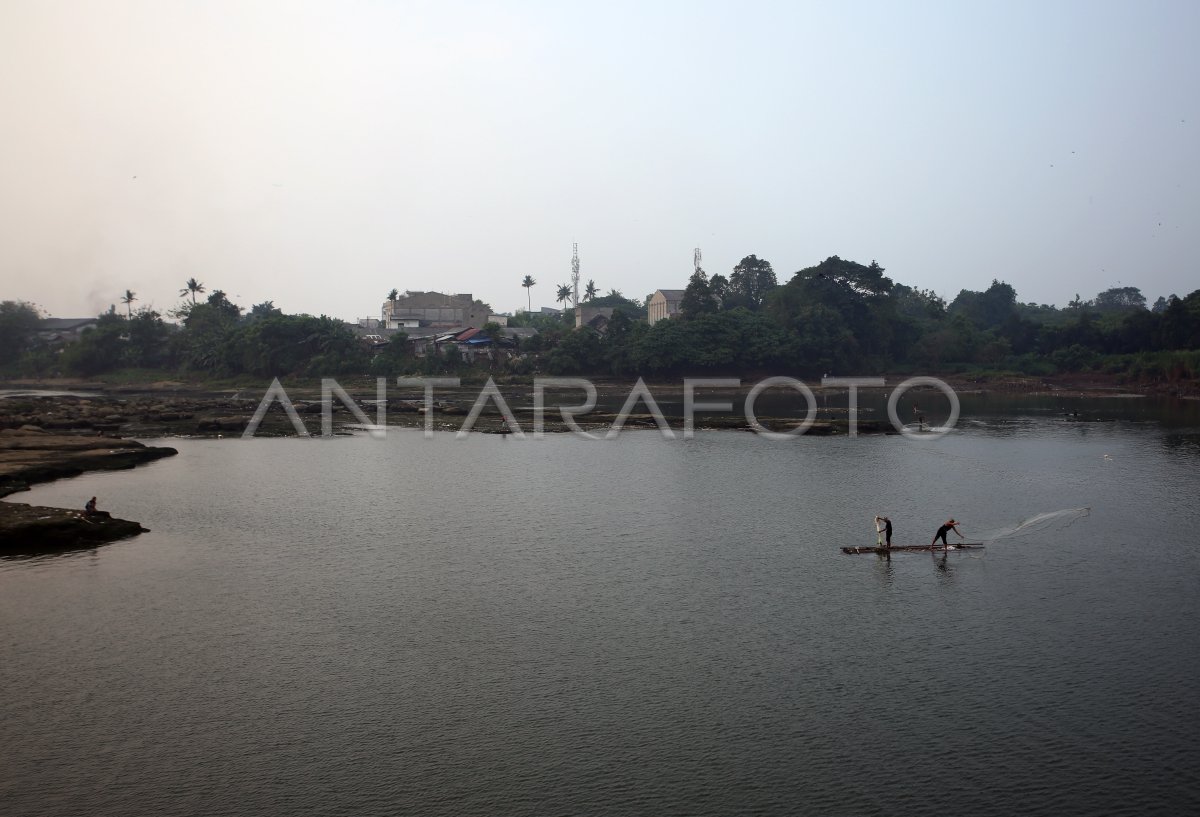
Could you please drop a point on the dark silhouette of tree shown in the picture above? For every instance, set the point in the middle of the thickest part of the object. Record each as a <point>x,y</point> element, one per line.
<point>393,294</point>
<point>988,309</point>
<point>128,298</point>
<point>697,297</point>
<point>18,329</point>
<point>564,294</point>
<point>1119,299</point>
<point>193,288</point>
<point>266,309</point>
<point>529,284</point>
<point>589,293</point>
<point>718,285</point>
<point>751,281</point>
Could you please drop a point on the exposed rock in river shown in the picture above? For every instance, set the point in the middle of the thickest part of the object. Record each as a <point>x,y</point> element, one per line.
<point>28,457</point>
<point>34,529</point>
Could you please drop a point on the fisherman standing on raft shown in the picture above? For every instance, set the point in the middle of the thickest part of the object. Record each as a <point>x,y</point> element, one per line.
<point>950,525</point>
<point>882,530</point>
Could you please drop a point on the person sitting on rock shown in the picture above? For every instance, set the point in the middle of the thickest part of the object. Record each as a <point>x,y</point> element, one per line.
<point>90,507</point>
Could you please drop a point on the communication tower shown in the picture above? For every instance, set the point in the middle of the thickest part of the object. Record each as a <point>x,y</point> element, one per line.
<point>575,273</point>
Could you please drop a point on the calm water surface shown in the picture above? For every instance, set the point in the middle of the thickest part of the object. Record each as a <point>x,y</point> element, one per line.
<point>486,626</point>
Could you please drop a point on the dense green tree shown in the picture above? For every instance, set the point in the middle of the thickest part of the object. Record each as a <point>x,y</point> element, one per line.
<point>147,338</point>
<point>266,309</point>
<point>840,314</point>
<point>1119,300</point>
<point>718,285</point>
<point>751,281</point>
<point>988,309</point>
<point>100,348</point>
<point>1181,322</point>
<point>18,329</point>
<point>282,345</point>
<point>579,352</point>
<point>208,330</point>
<point>697,298</point>
<point>394,358</point>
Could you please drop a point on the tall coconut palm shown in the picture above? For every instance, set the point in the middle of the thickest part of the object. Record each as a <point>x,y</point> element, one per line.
<point>528,283</point>
<point>590,293</point>
<point>192,287</point>
<point>393,295</point>
<point>128,298</point>
<point>564,294</point>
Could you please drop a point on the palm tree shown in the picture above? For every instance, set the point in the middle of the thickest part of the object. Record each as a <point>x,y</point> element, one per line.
<point>564,294</point>
<point>393,295</point>
<point>528,283</point>
<point>128,298</point>
<point>192,287</point>
<point>590,292</point>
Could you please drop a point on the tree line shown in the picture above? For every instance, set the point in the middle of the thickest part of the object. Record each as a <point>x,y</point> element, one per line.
<point>837,317</point>
<point>843,317</point>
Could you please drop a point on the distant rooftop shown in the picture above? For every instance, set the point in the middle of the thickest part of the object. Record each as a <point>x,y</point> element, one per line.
<point>63,324</point>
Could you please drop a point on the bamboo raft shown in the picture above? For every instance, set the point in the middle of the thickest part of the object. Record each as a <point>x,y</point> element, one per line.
<point>911,548</point>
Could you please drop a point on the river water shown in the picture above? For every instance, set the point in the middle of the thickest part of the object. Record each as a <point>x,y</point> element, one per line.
<point>492,626</point>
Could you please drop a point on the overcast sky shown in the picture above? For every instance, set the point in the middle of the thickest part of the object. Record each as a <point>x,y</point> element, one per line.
<point>319,154</point>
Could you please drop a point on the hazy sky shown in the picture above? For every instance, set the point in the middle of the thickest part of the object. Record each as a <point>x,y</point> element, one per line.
<point>319,154</point>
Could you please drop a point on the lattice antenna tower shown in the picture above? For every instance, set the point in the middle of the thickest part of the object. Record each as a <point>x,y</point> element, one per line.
<point>696,260</point>
<point>575,272</point>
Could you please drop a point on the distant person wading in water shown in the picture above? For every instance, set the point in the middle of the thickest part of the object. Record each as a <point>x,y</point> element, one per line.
<point>950,525</point>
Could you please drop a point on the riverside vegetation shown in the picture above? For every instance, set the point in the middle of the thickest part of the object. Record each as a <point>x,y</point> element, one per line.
<point>836,317</point>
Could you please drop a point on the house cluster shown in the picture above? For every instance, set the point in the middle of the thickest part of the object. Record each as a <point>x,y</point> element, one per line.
<point>434,321</point>
<point>57,331</point>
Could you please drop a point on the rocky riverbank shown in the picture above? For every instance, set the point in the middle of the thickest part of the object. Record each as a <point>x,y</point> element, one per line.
<point>32,529</point>
<point>29,455</point>
<point>206,414</point>
<point>196,410</point>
